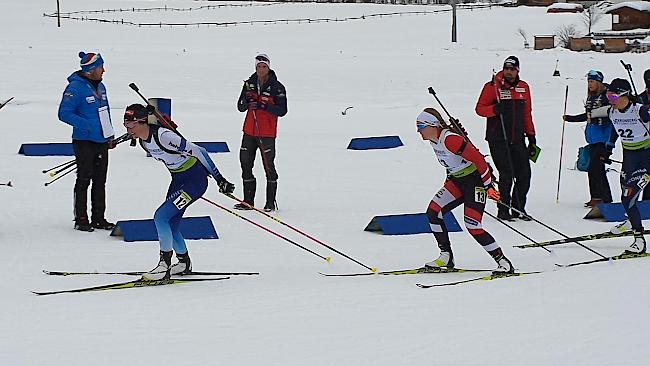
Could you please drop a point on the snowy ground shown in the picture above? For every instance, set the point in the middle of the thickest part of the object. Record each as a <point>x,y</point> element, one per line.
<point>289,315</point>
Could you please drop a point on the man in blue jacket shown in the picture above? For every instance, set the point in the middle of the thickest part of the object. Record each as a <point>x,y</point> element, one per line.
<point>84,106</point>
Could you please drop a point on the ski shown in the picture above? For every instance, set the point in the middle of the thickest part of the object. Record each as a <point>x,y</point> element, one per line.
<point>406,272</point>
<point>2,104</point>
<point>490,277</point>
<point>130,284</point>
<point>614,258</point>
<point>194,273</point>
<point>587,237</point>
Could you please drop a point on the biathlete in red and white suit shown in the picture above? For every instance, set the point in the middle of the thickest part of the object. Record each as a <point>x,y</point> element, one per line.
<point>469,182</point>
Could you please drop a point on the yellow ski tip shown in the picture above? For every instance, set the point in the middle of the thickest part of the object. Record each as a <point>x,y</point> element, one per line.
<point>51,174</point>
<point>329,259</point>
<point>374,269</point>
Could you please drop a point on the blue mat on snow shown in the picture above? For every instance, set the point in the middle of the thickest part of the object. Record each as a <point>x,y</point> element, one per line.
<point>47,149</point>
<point>615,211</point>
<point>192,228</point>
<point>371,143</point>
<point>214,147</point>
<point>407,224</point>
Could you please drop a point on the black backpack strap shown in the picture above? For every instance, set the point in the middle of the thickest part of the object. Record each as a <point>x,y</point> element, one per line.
<point>154,134</point>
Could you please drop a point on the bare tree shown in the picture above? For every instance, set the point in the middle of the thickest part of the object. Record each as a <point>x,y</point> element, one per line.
<point>564,34</point>
<point>523,35</point>
<point>590,16</point>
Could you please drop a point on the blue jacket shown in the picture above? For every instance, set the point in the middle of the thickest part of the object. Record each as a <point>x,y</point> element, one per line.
<point>79,107</point>
<point>598,129</point>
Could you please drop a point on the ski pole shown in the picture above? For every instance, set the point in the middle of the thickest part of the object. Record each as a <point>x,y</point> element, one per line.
<point>60,176</point>
<point>453,120</point>
<point>74,161</point>
<point>550,228</point>
<point>8,184</point>
<point>5,102</point>
<point>628,67</point>
<point>372,269</point>
<point>559,169</point>
<point>156,112</point>
<point>56,172</point>
<point>517,231</point>
<point>327,259</point>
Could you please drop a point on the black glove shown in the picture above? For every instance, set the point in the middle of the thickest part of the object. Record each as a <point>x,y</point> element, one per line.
<point>532,144</point>
<point>225,187</point>
<point>604,156</point>
<point>498,108</point>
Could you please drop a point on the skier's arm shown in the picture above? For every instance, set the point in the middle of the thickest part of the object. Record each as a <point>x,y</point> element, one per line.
<point>469,152</point>
<point>486,101</point>
<point>68,107</point>
<point>280,107</point>
<point>644,113</point>
<point>576,118</point>
<point>242,103</point>
<point>529,126</point>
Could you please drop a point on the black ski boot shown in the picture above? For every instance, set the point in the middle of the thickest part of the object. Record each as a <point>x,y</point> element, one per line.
<point>183,266</point>
<point>250,186</point>
<point>271,190</point>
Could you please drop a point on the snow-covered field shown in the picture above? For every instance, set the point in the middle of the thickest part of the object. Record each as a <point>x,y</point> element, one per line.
<point>290,315</point>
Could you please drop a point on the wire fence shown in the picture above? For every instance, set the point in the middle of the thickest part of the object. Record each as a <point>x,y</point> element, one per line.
<point>72,16</point>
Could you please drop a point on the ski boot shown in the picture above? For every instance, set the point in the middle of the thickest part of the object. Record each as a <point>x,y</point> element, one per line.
<point>504,266</point>
<point>638,245</point>
<point>183,266</point>
<point>161,272</point>
<point>445,261</point>
<point>82,224</point>
<point>621,228</point>
<point>102,224</point>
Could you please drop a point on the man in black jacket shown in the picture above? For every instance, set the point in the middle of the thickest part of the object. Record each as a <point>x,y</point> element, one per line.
<point>264,99</point>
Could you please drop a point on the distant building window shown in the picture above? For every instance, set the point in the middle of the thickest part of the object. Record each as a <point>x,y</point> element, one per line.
<point>615,19</point>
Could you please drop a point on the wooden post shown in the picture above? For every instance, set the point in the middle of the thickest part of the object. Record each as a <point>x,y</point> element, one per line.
<point>58,14</point>
<point>453,21</point>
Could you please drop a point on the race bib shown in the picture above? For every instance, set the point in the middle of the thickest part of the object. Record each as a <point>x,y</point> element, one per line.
<point>182,200</point>
<point>479,194</point>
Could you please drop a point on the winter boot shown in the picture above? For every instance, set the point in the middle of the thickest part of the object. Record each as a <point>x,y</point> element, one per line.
<point>82,224</point>
<point>183,266</point>
<point>520,214</point>
<point>250,186</point>
<point>102,224</point>
<point>638,246</point>
<point>445,260</point>
<point>621,228</point>
<point>271,190</point>
<point>161,271</point>
<point>504,214</point>
<point>593,202</point>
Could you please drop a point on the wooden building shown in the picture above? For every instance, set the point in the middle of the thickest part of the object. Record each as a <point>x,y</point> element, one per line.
<point>615,44</point>
<point>630,15</point>
<point>580,43</point>
<point>544,42</point>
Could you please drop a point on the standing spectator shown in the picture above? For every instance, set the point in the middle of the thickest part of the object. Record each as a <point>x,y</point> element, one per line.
<point>507,104</point>
<point>597,134</point>
<point>189,166</point>
<point>469,182</point>
<point>84,106</point>
<point>631,121</point>
<point>264,99</point>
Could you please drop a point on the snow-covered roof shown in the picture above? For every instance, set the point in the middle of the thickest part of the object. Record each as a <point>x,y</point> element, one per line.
<point>637,5</point>
<point>564,6</point>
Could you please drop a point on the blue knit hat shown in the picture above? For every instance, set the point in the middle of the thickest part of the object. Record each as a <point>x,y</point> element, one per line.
<point>595,75</point>
<point>90,61</point>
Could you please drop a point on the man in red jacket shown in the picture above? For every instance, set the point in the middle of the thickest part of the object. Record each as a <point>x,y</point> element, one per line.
<point>506,103</point>
<point>264,99</point>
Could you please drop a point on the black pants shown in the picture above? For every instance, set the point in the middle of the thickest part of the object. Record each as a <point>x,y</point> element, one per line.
<point>92,165</point>
<point>247,152</point>
<point>501,153</point>
<point>598,183</point>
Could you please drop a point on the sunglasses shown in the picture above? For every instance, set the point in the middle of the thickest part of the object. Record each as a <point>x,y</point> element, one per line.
<point>262,58</point>
<point>613,97</point>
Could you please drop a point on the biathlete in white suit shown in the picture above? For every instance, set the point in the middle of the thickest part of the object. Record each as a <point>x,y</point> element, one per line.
<point>632,125</point>
<point>469,182</point>
<point>189,166</point>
